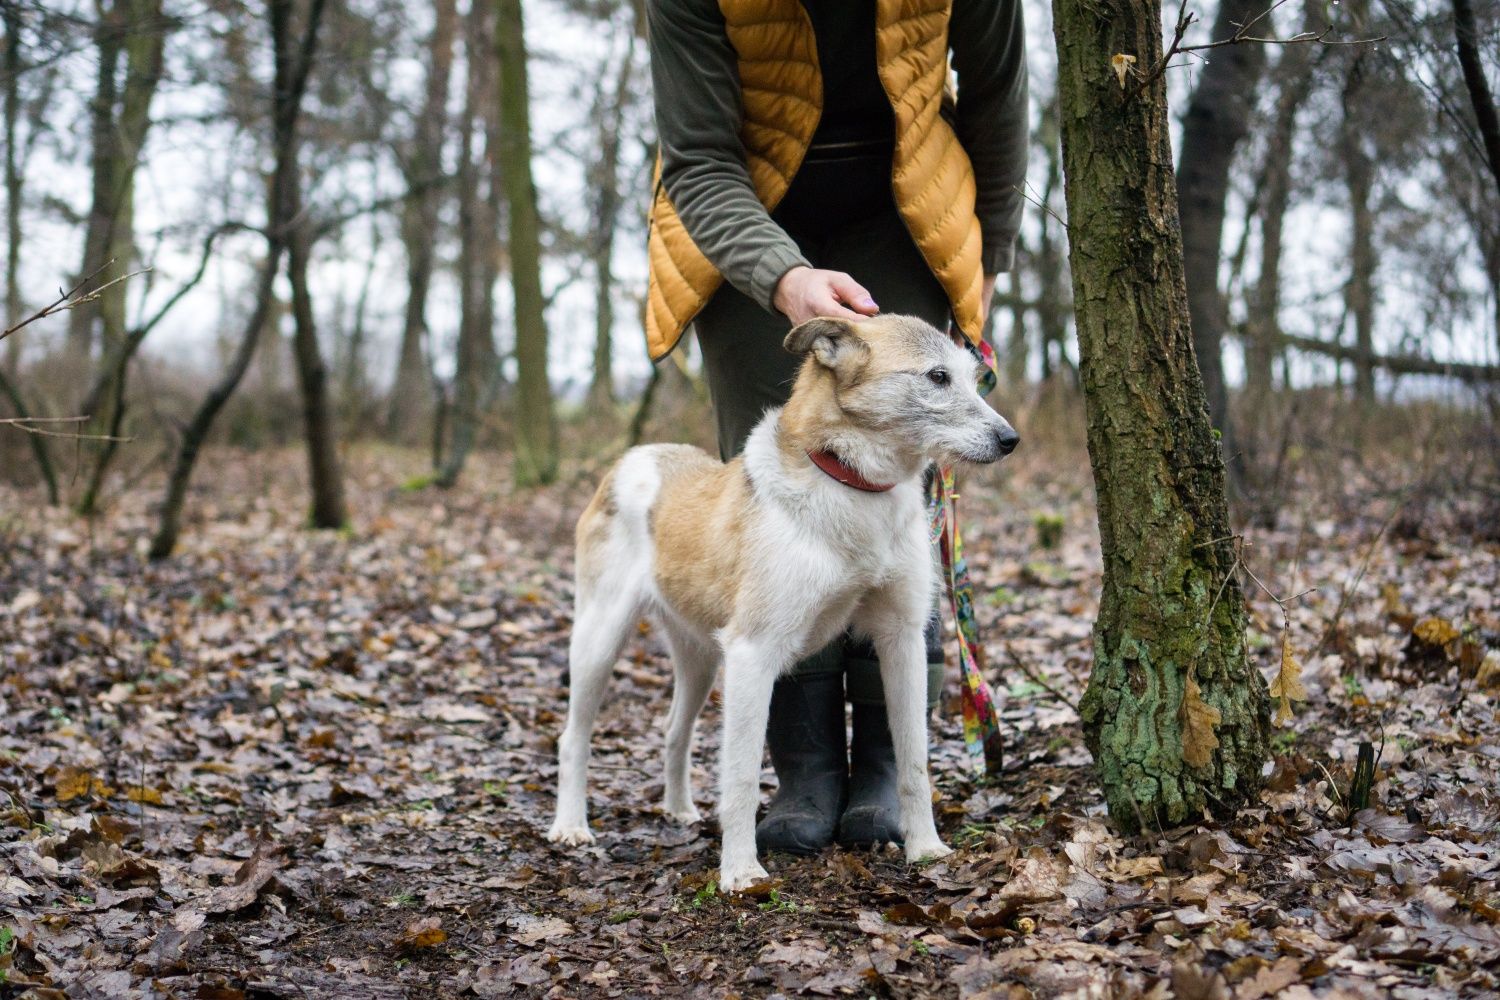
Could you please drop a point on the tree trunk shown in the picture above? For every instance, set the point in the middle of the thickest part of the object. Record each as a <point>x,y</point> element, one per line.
<point>475,354</point>
<point>536,426</point>
<point>290,84</point>
<point>1480,96</point>
<point>606,185</point>
<point>1294,76</point>
<point>1052,302</point>
<point>1217,120</point>
<point>410,403</point>
<point>14,182</point>
<point>319,428</point>
<point>109,35</point>
<point>1175,714</point>
<point>38,443</point>
<point>1359,176</point>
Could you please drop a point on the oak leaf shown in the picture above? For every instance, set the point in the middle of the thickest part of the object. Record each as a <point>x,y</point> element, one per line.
<point>1287,687</point>
<point>1198,720</point>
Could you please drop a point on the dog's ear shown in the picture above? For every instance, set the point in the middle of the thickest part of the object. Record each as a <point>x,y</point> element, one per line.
<point>832,341</point>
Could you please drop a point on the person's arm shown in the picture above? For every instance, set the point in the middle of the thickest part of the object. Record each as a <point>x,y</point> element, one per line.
<point>696,79</point>
<point>988,40</point>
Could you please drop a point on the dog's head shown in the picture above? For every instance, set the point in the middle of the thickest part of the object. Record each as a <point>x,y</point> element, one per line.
<point>901,378</point>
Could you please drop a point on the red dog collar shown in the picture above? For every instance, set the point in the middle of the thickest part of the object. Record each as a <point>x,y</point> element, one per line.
<point>836,469</point>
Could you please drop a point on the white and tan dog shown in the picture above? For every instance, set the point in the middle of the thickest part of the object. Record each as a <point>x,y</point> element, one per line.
<point>819,526</point>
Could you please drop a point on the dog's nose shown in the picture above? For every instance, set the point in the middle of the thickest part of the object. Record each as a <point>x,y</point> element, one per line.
<point>1007,439</point>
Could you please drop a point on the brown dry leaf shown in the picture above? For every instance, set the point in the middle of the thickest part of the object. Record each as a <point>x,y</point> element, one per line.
<point>1035,881</point>
<point>1435,631</point>
<point>1192,982</point>
<point>1270,980</point>
<point>146,796</point>
<point>76,782</point>
<point>1198,720</point>
<point>530,930</point>
<point>249,879</point>
<point>426,932</point>
<point>1287,687</point>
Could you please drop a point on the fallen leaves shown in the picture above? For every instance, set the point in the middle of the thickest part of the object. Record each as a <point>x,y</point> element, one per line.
<point>293,764</point>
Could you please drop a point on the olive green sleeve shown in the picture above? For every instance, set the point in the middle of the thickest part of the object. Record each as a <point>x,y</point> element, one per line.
<point>697,90</point>
<point>988,40</point>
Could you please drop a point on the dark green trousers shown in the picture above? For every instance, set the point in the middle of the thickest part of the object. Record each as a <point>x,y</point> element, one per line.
<point>749,372</point>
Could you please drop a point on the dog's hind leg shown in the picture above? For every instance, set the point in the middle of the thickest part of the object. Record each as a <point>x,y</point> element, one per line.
<point>694,664</point>
<point>603,617</point>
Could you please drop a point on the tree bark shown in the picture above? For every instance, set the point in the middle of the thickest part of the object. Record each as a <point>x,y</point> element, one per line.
<point>411,400</point>
<point>292,67</point>
<point>1217,120</point>
<point>1169,643</point>
<point>1359,179</point>
<point>536,425</point>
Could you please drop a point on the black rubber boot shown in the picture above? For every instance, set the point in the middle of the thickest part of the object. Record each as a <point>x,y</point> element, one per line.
<point>873,815</point>
<point>806,736</point>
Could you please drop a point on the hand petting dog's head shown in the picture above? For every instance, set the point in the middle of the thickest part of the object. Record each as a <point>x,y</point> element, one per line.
<point>902,379</point>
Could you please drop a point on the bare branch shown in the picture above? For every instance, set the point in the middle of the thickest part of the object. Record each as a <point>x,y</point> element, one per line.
<point>1241,36</point>
<point>70,299</point>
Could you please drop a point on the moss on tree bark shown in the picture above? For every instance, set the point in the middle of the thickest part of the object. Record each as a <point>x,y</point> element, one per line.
<point>1171,625</point>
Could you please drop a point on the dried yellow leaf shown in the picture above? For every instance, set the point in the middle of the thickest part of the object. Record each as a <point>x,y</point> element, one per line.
<point>1198,720</point>
<point>1121,64</point>
<point>1435,631</point>
<point>143,794</point>
<point>1287,687</point>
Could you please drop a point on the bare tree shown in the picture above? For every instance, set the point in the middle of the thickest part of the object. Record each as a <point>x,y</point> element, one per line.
<point>119,120</point>
<point>536,424</point>
<point>293,61</point>
<point>475,366</point>
<point>1216,122</point>
<point>421,164</point>
<point>610,108</point>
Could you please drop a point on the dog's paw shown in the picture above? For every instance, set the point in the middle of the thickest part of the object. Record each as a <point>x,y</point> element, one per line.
<point>918,851</point>
<point>736,878</point>
<point>572,834</point>
<point>686,815</point>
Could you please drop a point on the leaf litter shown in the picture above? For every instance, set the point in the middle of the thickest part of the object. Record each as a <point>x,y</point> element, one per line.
<point>288,762</point>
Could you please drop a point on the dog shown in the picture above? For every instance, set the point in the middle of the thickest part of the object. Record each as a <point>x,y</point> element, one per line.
<point>818,527</point>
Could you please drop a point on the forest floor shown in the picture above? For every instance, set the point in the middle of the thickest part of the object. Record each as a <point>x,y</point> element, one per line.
<point>298,764</point>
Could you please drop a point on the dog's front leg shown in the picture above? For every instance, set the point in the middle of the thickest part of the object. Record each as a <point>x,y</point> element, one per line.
<point>903,673</point>
<point>750,672</point>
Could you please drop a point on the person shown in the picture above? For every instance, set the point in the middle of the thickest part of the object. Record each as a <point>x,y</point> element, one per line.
<point>814,162</point>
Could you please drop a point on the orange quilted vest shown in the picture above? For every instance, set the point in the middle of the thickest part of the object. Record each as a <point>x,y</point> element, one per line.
<point>931,176</point>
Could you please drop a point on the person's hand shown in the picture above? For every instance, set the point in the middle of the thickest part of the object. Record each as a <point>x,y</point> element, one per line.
<point>805,293</point>
<point>987,294</point>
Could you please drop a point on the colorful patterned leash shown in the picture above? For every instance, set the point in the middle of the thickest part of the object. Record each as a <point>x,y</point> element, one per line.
<point>981,721</point>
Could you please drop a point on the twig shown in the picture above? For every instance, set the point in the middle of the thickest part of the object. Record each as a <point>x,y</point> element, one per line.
<point>25,424</point>
<point>1036,678</point>
<point>66,299</point>
<point>1185,19</point>
<point>1024,190</point>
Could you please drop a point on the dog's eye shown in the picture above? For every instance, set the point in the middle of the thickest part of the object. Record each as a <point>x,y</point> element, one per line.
<point>938,376</point>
